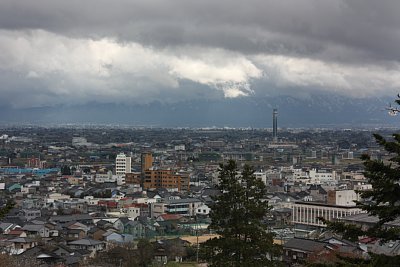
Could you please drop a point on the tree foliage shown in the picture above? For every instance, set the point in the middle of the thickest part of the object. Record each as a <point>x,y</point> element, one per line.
<point>384,198</point>
<point>6,209</point>
<point>145,252</point>
<point>237,217</point>
<point>65,170</point>
<point>10,260</point>
<point>126,255</point>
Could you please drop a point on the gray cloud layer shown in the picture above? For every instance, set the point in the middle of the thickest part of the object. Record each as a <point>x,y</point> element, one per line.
<point>116,51</point>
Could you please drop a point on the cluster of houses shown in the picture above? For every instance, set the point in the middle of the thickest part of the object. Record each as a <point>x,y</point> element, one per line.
<point>54,220</point>
<point>70,215</point>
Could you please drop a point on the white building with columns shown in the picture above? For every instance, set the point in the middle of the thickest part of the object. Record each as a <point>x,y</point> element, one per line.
<point>306,213</point>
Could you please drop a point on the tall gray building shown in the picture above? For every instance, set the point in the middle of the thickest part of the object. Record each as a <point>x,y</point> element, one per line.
<point>275,125</point>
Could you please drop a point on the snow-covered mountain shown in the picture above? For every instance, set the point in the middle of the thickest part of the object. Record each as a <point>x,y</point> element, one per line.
<point>319,110</point>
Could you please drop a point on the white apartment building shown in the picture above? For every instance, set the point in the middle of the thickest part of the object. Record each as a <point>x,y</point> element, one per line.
<point>56,197</point>
<point>179,148</point>
<point>185,207</point>
<point>300,174</point>
<point>79,141</point>
<point>342,197</point>
<point>203,210</point>
<point>362,187</point>
<point>313,176</point>
<point>122,164</point>
<point>318,176</point>
<point>262,176</point>
<point>110,178</point>
<point>131,212</point>
<point>353,176</point>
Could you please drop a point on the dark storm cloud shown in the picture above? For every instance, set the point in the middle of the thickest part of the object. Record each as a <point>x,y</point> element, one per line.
<point>127,50</point>
<point>297,27</point>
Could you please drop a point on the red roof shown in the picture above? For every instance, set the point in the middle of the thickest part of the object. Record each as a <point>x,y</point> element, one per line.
<point>136,205</point>
<point>141,205</point>
<point>15,232</point>
<point>110,204</point>
<point>170,217</point>
<point>368,240</point>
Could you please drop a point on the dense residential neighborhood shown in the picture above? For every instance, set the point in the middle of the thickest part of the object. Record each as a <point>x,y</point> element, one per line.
<point>96,195</point>
<point>190,133</point>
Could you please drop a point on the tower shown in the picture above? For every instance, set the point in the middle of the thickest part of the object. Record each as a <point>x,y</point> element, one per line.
<point>275,125</point>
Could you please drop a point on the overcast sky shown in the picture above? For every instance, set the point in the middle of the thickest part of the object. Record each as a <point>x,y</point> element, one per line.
<point>126,51</point>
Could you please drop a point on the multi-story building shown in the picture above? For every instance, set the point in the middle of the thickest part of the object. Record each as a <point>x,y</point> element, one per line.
<point>307,213</point>
<point>122,164</point>
<point>185,207</point>
<point>170,179</point>
<point>342,197</point>
<point>203,210</point>
<point>262,176</point>
<point>299,174</point>
<point>179,148</point>
<point>321,175</point>
<point>35,163</point>
<point>133,178</point>
<point>110,178</point>
<point>147,161</point>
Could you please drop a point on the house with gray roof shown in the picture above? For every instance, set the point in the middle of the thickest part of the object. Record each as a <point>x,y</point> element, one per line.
<point>6,227</point>
<point>113,237</point>
<point>300,250</point>
<point>29,214</point>
<point>35,230</point>
<point>82,218</point>
<point>88,244</point>
<point>135,228</point>
<point>297,250</point>
<point>20,244</point>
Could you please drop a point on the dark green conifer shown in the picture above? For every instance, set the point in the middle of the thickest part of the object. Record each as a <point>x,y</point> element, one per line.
<point>383,201</point>
<point>237,217</point>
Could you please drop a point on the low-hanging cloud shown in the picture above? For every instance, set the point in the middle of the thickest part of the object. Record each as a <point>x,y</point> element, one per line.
<point>351,80</point>
<point>58,68</point>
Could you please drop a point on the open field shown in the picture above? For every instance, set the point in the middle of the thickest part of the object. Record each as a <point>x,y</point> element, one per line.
<point>202,238</point>
<point>186,264</point>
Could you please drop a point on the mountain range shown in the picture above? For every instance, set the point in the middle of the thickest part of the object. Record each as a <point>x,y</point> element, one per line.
<point>318,110</point>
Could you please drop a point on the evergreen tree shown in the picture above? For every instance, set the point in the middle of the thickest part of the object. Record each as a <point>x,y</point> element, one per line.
<point>6,208</point>
<point>145,252</point>
<point>382,202</point>
<point>65,170</point>
<point>237,217</point>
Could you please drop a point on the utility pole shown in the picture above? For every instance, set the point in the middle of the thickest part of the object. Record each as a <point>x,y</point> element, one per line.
<point>197,252</point>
